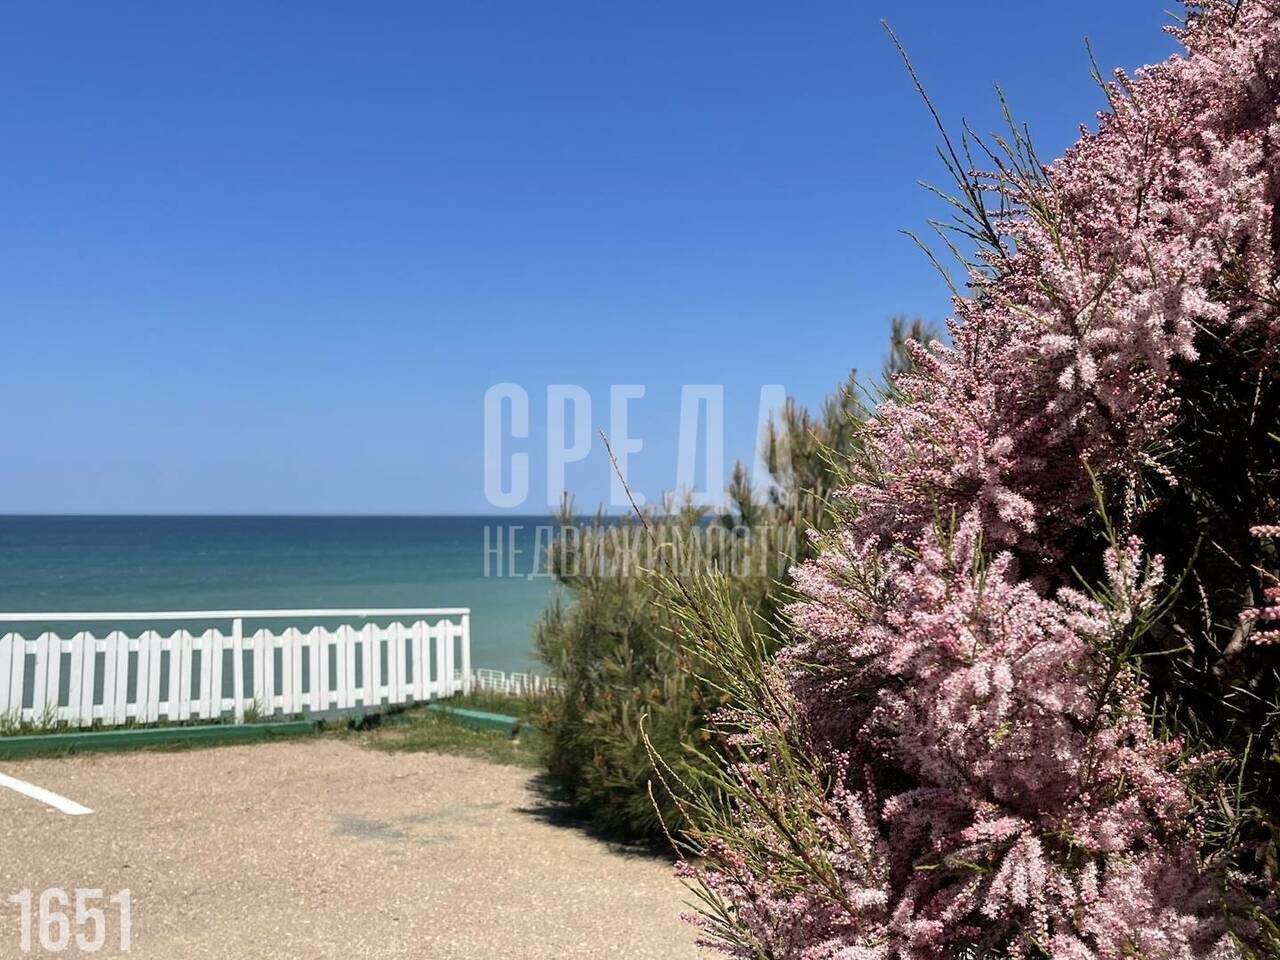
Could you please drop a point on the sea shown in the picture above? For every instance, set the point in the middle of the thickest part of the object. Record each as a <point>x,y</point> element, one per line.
<point>493,565</point>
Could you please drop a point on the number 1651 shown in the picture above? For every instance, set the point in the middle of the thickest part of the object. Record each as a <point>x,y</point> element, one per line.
<point>54,927</point>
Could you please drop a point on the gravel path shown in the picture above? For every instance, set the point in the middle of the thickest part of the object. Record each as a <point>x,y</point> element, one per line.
<point>322,849</point>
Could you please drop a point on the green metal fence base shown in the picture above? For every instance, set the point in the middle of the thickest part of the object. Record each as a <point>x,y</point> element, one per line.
<point>53,744</point>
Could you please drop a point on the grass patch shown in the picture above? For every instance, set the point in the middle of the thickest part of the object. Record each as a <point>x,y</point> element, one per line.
<point>12,724</point>
<point>412,730</point>
<point>422,731</point>
<point>526,708</point>
<point>160,739</point>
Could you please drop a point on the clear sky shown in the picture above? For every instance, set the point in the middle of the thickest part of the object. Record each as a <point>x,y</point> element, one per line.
<point>261,258</point>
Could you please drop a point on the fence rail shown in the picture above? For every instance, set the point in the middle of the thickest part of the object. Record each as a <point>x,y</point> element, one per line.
<point>117,679</point>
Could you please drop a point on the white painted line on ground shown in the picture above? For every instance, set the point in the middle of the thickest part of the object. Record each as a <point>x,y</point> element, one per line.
<point>69,807</point>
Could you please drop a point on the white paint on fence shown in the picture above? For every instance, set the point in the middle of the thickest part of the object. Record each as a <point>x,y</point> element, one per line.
<point>116,679</point>
<point>69,807</point>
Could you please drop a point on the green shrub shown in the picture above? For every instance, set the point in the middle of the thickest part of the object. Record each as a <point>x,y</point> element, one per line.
<point>612,643</point>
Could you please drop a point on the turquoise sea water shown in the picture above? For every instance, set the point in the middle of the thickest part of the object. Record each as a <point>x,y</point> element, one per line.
<point>72,564</point>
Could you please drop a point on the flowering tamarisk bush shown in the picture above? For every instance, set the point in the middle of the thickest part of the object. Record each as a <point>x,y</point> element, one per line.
<point>1030,705</point>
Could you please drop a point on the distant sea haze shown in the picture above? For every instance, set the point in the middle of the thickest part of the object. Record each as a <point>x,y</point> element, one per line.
<point>61,564</point>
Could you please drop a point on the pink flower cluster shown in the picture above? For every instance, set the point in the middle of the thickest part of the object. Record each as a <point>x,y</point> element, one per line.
<point>1008,795</point>
<point>1269,613</point>
<point>1035,809</point>
<point>1152,229</point>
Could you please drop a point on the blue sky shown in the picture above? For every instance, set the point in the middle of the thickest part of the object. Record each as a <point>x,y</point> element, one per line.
<point>261,258</point>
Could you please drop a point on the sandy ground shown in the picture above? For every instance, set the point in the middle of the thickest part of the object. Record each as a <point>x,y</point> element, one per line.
<point>323,849</point>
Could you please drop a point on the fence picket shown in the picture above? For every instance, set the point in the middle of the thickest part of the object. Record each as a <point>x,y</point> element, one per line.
<point>265,678</point>
<point>6,664</point>
<point>395,663</point>
<point>217,648</point>
<point>464,634</point>
<point>369,654</point>
<point>237,669</point>
<point>381,672</point>
<point>319,693</point>
<point>149,693</point>
<point>408,669</point>
<point>17,673</point>
<point>184,658</point>
<point>154,693</point>
<point>440,658</point>
<point>76,668</point>
<point>261,692</point>
<point>449,663</point>
<point>337,696</point>
<point>348,668</point>
<point>172,697</point>
<point>141,655</point>
<point>421,665</point>
<point>109,708</point>
<point>122,645</point>
<point>57,674</point>
<point>328,669</point>
<point>84,678</point>
<point>141,649</point>
<point>295,672</point>
<point>39,689</point>
<point>286,670</point>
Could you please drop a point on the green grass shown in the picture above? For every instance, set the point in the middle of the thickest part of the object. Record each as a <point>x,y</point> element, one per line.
<point>422,731</point>
<point>414,730</point>
<point>12,725</point>
<point>151,738</point>
<point>523,707</point>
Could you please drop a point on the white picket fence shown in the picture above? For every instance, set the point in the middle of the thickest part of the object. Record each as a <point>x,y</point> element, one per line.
<point>422,654</point>
<point>514,684</point>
